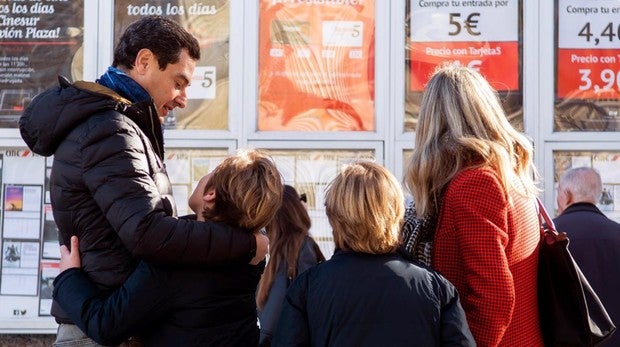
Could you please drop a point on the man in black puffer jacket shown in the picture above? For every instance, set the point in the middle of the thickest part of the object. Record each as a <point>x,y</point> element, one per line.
<point>108,183</point>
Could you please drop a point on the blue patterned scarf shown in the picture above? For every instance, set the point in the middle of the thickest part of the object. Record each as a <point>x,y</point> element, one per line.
<point>124,85</point>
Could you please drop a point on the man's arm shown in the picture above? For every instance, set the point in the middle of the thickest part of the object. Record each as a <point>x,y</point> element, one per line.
<point>117,173</point>
<point>111,319</point>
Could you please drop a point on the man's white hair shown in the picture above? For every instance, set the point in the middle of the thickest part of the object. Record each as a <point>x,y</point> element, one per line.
<point>584,183</point>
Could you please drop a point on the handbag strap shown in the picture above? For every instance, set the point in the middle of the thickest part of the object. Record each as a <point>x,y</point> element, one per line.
<point>544,215</point>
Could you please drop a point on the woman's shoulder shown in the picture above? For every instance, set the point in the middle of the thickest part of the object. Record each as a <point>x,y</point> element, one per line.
<point>476,178</point>
<point>480,184</point>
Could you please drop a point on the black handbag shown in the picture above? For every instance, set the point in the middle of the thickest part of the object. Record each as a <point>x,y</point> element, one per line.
<point>570,312</point>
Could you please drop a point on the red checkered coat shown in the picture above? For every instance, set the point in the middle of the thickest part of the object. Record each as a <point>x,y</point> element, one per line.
<point>488,249</point>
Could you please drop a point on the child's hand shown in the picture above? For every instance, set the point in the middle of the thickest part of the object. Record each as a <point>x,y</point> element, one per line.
<point>70,259</point>
<point>196,200</point>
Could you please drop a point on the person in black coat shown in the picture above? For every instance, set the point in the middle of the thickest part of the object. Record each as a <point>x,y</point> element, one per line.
<point>367,294</point>
<point>168,306</point>
<point>594,238</point>
<point>291,252</point>
<point>108,183</point>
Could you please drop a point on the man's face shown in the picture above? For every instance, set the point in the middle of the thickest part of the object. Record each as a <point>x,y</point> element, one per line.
<point>167,87</point>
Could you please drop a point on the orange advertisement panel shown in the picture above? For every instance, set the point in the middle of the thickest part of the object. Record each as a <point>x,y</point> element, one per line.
<point>589,73</point>
<point>316,65</point>
<point>498,62</point>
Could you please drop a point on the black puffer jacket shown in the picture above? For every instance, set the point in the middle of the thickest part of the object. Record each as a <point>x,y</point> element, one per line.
<point>110,188</point>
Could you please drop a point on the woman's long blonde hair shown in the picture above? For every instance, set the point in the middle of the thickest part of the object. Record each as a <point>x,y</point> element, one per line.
<point>462,125</point>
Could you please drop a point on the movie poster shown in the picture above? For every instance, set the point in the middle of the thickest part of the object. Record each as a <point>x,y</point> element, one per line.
<point>316,65</point>
<point>39,40</point>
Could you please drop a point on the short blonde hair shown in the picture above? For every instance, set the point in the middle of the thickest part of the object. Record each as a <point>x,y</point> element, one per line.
<point>248,190</point>
<point>365,207</point>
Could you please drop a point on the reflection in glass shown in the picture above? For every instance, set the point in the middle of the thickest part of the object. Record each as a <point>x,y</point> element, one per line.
<point>607,163</point>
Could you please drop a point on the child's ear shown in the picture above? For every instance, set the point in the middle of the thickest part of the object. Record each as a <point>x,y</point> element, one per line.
<point>209,196</point>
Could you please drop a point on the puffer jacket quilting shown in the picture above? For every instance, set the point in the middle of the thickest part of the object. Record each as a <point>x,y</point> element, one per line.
<point>110,188</point>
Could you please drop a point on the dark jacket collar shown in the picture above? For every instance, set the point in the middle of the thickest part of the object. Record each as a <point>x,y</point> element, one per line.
<point>54,113</point>
<point>581,207</point>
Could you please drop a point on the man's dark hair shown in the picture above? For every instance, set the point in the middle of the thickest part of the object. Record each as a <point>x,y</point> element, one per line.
<point>164,37</point>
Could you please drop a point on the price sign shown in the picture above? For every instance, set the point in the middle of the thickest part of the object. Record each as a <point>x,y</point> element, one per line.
<point>459,21</point>
<point>342,33</point>
<point>483,35</point>
<point>588,49</point>
<point>589,24</point>
<point>203,83</point>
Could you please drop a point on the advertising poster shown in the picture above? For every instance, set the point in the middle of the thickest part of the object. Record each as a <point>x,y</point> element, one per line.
<point>483,35</point>
<point>49,271</point>
<point>316,65</point>
<point>22,179</point>
<point>588,65</point>
<point>22,211</point>
<point>39,40</point>
<point>20,265</point>
<point>209,22</point>
<point>50,235</point>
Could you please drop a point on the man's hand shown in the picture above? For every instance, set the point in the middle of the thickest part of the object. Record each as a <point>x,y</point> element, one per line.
<point>262,248</point>
<point>71,259</point>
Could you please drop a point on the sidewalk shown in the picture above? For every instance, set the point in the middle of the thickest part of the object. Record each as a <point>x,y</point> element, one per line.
<point>26,340</point>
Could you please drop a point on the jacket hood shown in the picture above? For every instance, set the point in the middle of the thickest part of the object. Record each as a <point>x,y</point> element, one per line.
<point>52,114</point>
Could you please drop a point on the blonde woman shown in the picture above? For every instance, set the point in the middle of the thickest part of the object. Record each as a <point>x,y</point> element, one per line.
<point>366,294</point>
<point>474,219</point>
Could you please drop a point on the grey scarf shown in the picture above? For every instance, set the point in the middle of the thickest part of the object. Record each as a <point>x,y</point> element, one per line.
<point>418,234</point>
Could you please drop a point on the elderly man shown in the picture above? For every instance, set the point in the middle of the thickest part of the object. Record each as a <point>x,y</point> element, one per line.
<point>594,238</point>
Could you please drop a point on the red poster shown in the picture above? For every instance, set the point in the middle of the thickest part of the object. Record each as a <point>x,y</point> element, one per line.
<point>483,35</point>
<point>588,46</point>
<point>589,73</point>
<point>497,61</point>
<point>316,66</point>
